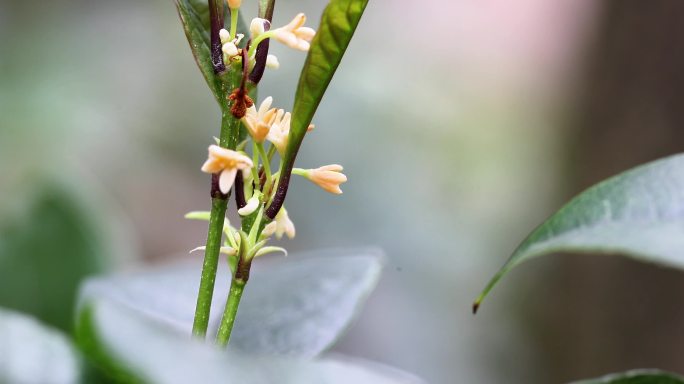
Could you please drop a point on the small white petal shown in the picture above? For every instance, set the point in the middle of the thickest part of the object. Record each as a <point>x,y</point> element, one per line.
<point>250,207</point>
<point>272,62</point>
<point>290,229</point>
<point>302,45</point>
<point>224,35</point>
<point>229,49</point>
<point>269,229</point>
<point>265,106</point>
<point>226,180</point>
<point>198,249</point>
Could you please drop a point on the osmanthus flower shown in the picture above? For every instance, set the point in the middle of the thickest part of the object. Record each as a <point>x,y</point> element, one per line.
<point>229,46</point>
<point>226,163</point>
<point>328,177</point>
<point>258,26</point>
<point>280,129</point>
<point>295,34</point>
<point>282,225</point>
<point>258,122</point>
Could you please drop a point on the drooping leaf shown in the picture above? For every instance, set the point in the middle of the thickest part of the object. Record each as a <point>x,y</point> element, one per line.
<point>296,306</point>
<point>45,252</point>
<point>334,33</point>
<point>638,376</point>
<point>638,213</point>
<point>141,350</point>
<point>31,353</point>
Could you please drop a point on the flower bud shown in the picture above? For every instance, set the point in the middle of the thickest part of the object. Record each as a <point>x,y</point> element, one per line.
<point>224,35</point>
<point>234,4</point>
<point>256,27</point>
<point>272,62</point>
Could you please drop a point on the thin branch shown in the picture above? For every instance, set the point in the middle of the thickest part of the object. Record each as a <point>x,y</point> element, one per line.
<point>216,21</point>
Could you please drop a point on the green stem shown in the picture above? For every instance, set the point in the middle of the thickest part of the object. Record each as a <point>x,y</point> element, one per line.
<point>255,168</point>
<point>233,23</point>
<point>237,286</point>
<point>229,136</point>
<point>266,162</point>
<point>211,258</point>
<point>257,41</point>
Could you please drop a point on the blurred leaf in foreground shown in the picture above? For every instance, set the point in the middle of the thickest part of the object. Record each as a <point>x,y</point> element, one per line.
<point>30,353</point>
<point>299,306</point>
<point>139,349</point>
<point>45,252</point>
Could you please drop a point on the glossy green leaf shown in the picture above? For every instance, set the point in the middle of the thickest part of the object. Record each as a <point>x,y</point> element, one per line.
<point>31,353</point>
<point>639,376</point>
<point>46,250</point>
<point>639,213</point>
<point>138,349</point>
<point>338,24</point>
<point>297,305</point>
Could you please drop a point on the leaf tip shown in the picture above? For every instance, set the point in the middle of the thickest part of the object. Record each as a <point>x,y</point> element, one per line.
<point>476,306</point>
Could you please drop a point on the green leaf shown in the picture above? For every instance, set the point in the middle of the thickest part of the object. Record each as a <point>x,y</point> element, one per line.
<point>338,24</point>
<point>194,15</point>
<point>638,376</point>
<point>296,305</point>
<point>195,18</point>
<point>141,350</point>
<point>30,353</point>
<point>638,213</point>
<point>46,250</point>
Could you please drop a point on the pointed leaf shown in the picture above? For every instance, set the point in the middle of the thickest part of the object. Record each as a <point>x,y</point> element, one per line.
<point>138,349</point>
<point>338,24</point>
<point>297,306</point>
<point>639,376</point>
<point>639,213</point>
<point>30,353</point>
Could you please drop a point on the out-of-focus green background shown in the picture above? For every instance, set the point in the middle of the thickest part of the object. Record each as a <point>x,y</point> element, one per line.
<point>460,124</point>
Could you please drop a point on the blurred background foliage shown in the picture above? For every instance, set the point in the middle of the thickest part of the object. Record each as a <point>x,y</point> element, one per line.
<point>461,126</point>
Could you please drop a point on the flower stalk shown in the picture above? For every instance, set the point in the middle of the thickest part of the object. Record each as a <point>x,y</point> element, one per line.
<point>230,129</point>
<point>243,169</point>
